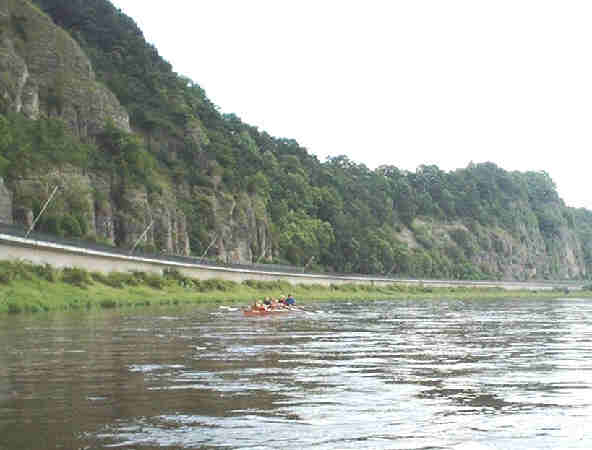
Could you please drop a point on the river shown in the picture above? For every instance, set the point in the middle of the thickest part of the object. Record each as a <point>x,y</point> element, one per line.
<point>443,374</point>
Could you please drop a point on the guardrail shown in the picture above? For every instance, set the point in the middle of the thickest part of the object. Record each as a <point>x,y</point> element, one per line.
<point>39,238</point>
<point>18,231</point>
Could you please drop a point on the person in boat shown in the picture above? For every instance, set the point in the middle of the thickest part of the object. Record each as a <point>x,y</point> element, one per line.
<point>290,301</point>
<point>258,306</point>
<point>267,301</point>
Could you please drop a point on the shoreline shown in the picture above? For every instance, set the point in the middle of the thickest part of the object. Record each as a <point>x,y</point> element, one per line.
<point>28,288</point>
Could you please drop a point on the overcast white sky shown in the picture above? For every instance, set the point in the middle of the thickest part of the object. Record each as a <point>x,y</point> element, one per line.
<point>400,82</point>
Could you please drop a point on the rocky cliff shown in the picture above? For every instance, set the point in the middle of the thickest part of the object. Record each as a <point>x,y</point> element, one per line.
<point>5,204</point>
<point>523,255</point>
<point>45,74</point>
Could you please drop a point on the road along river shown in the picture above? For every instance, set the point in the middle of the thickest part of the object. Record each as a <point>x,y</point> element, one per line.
<point>443,374</point>
<point>19,248</point>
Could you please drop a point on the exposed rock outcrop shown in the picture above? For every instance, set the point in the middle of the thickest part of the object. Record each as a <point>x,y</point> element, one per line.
<point>43,72</point>
<point>5,203</point>
<point>242,229</point>
<point>89,199</point>
<point>521,256</point>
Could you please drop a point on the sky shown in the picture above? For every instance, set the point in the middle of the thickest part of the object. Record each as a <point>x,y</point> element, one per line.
<point>397,82</point>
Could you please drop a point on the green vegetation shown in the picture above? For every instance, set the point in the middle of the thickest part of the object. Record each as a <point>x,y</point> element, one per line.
<point>335,215</point>
<point>25,287</point>
<point>28,146</point>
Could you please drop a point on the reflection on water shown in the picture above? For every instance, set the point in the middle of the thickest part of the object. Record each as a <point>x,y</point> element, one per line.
<point>384,375</point>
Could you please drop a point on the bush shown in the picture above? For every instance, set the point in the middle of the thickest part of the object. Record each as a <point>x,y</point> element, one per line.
<point>51,224</point>
<point>5,277</point>
<point>114,279</point>
<point>70,226</point>
<point>120,280</point>
<point>308,287</point>
<point>15,270</point>
<point>46,272</point>
<point>202,180</point>
<point>173,274</point>
<point>464,240</point>
<point>21,270</point>
<point>152,280</point>
<point>215,285</point>
<point>394,287</point>
<point>108,303</point>
<point>14,308</point>
<point>99,277</point>
<point>346,287</point>
<point>77,277</point>
<point>279,285</point>
<point>6,273</point>
<point>423,236</point>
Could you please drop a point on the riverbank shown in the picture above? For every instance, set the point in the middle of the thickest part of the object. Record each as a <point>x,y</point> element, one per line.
<point>25,287</point>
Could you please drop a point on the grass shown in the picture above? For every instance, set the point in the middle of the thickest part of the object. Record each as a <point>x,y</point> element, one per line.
<point>25,287</point>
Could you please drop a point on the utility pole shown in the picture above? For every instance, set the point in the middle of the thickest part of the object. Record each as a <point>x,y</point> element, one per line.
<point>308,263</point>
<point>211,243</point>
<point>41,212</point>
<point>141,236</point>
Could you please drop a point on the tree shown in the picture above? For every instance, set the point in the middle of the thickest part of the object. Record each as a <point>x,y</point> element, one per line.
<point>303,237</point>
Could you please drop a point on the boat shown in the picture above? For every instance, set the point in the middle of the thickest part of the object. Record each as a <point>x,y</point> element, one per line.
<point>267,312</point>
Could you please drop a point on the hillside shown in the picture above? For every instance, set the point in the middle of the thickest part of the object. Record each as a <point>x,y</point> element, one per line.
<point>88,105</point>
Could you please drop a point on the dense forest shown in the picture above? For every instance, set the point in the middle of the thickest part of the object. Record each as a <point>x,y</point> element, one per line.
<point>333,215</point>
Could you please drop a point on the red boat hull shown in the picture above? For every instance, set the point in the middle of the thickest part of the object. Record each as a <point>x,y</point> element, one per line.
<point>264,313</point>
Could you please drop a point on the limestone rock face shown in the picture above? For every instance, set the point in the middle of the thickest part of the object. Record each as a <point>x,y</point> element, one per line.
<point>153,222</point>
<point>242,231</point>
<point>524,255</point>
<point>89,198</point>
<point>5,204</point>
<point>44,72</point>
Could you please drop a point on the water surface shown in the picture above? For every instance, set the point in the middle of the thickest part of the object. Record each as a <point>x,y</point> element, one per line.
<point>483,374</point>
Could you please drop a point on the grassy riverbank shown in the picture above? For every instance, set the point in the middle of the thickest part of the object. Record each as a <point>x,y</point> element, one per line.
<point>29,288</point>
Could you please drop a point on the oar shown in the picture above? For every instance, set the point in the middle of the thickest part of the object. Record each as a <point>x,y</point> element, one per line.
<point>300,309</point>
<point>228,308</point>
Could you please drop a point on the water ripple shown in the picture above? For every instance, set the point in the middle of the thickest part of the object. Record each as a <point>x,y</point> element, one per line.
<point>487,374</point>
